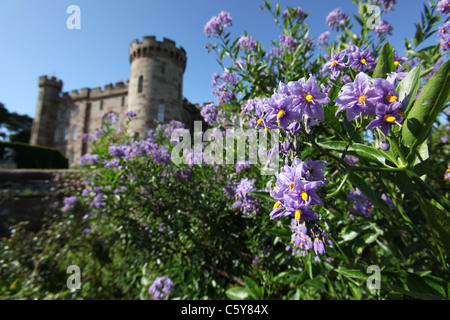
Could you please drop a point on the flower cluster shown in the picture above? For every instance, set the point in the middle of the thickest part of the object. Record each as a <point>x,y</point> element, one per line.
<point>376,97</point>
<point>305,238</point>
<point>297,100</point>
<point>130,113</point>
<point>295,190</point>
<point>88,159</point>
<point>161,288</point>
<point>444,7</point>
<point>224,86</point>
<point>336,19</point>
<point>362,205</point>
<point>217,24</point>
<point>294,13</point>
<point>246,43</point>
<point>244,200</point>
<point>447,173</point>
<point>387,4</point>
<point>383,29</point>
<point>323,39</point>
<point>352,57</point>
<point>209,113</point>
<point>288,42</point>
<point>444,36</point>
<point>69,203</point>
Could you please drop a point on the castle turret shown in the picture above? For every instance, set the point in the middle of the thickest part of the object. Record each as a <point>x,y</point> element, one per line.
<point>44,122</point>
<point>156,82</point>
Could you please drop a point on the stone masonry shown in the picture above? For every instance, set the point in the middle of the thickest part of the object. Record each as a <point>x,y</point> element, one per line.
<point>154,92</point>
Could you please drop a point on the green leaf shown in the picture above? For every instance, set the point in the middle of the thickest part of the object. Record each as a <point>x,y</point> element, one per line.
<point>439,222</point>
<point>409,86</point>
<point>385,63</point>
<point>360,149</point>
<point>238,293</point>
<point>425,110</point>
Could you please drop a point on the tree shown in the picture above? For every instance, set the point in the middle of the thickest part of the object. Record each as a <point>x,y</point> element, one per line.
<point>14,127</point>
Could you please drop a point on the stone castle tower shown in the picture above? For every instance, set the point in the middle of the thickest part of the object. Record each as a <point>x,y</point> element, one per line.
<point>154,92</point>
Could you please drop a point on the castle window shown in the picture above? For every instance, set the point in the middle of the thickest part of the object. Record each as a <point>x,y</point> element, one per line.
<point>71,156</point>
<point>57,135</point>
<point>74,133</point>
<point>140,84</point>
<point>163,68</point>
<point>123,101</point>
<point>161,112</point>
<point>76,111</point>
<point>68,114</point>
<point>66,134</point>
<point>58,115</point>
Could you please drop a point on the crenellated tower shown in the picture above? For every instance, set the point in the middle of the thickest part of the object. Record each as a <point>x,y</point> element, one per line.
<point>156,82</point>
<point>44,122</point>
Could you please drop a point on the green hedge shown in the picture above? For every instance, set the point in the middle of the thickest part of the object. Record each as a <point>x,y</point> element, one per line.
<point>35,157</point>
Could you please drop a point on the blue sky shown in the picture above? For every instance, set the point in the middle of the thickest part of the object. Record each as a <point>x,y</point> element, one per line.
<point>35,40</point>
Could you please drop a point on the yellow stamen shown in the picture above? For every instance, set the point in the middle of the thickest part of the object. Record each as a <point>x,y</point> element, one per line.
<point>304,195</point>
<point>298,214</point>
<point>309,98</point>
<point>363,61</point>
<point>389,118</point>
<point>391,98</point>
<point>334,63</point>
<point>362,99</point>
<point>266,129</point>
<point>280,114</point>
<point>396,63</point>
<point>277,204</point>
<point>291,185</point>
<point>259,121</point>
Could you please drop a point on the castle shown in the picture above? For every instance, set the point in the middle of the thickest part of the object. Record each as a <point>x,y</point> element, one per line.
<point>154,92</point>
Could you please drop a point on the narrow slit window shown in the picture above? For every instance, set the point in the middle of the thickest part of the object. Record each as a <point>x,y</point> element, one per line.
<point>161,112</point>
<point>140,84</point>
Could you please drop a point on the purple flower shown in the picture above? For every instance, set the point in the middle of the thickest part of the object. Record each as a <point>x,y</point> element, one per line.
<point>383,29</point>
<point>388,115</point>
<point>336,63</point>
<point>246,43</point>
<point>447,173</point>
<point>209,113</point>
<point>362,205</point>
<point>444,7</point>
<point>69,203</point>
<point>388,201</point>
<point>282,111</point>
<point>309,98</point>
<point>88,159</point>
<point>361,60</point>
<point>398,61</point>
<point>240,165</point>
<point>217,24</point>
<point>323,39</point>
<point>444,34</point>
<point>388,4</point>
<point>336,19</point>
<point>161,288</point>
<point>97,202</point>
<point>288,42</point>
<point>358,98</point>
<point>319,247</point>
<point>130,113</point>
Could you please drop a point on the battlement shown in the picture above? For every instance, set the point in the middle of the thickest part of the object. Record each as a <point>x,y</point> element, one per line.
<point>95,93</point>
<point>150,47</point>
<point>45,81</point>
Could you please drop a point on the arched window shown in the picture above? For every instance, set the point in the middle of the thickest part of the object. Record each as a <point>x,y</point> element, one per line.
<point>140,84</point>
<point>74,133</point>
<point>161,112</point>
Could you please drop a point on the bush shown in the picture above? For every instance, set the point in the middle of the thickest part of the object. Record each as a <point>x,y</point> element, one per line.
<point>35,157</point>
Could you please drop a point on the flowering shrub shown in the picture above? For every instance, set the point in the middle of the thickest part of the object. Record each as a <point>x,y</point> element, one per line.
<point>362,178</point>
